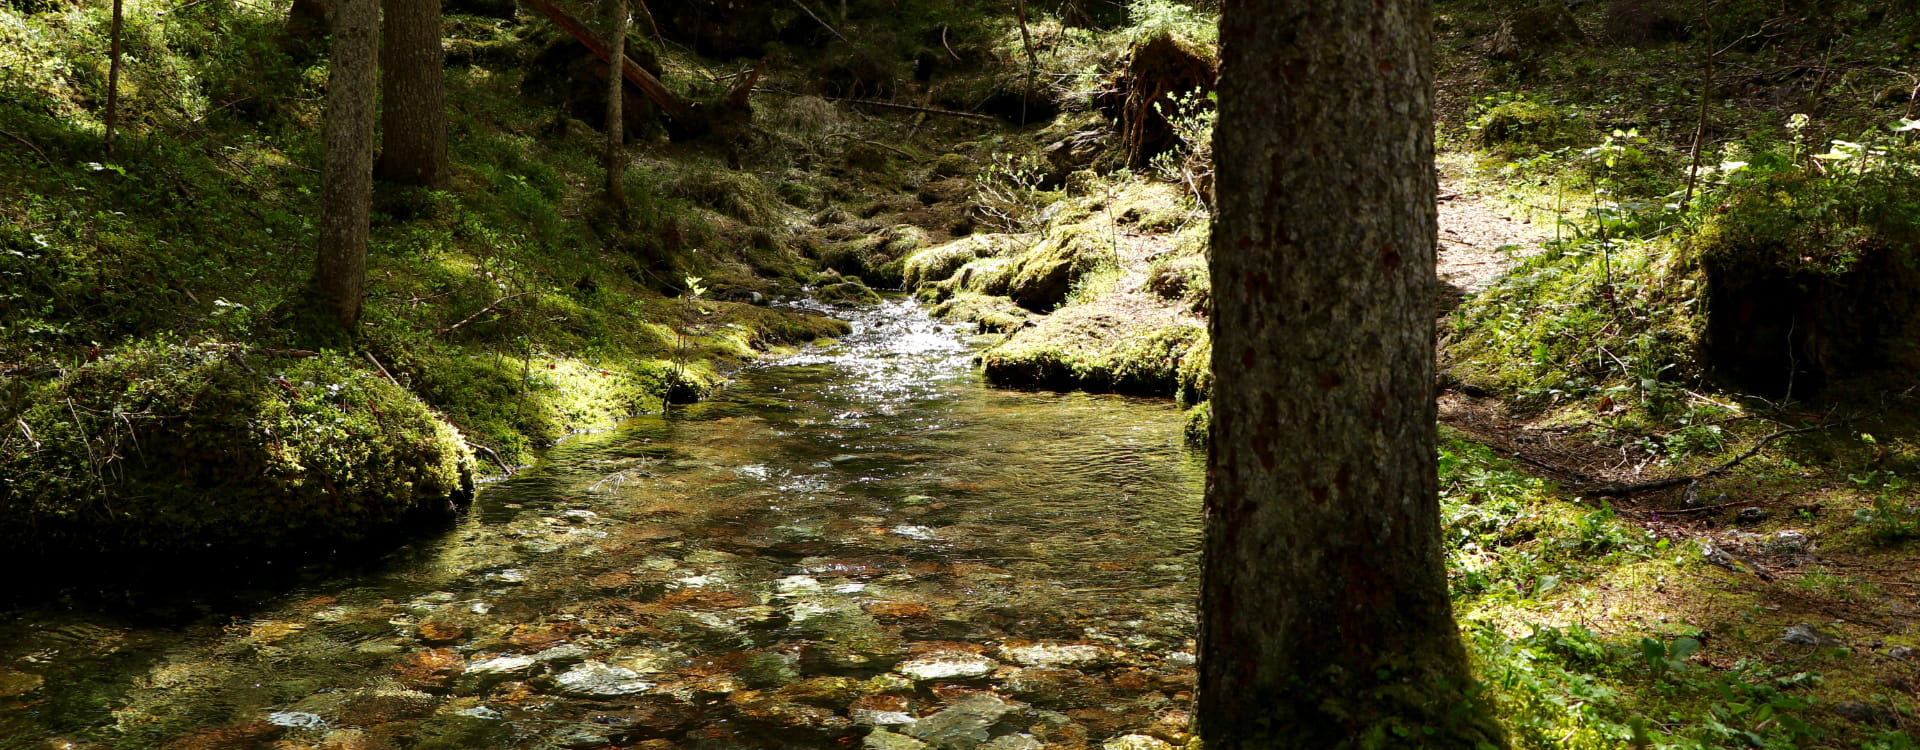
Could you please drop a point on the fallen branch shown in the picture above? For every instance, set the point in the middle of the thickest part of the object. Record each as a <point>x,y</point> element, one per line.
<point>910,108</point>
<point>816,19</point>
<point>496,457</point>
<point>29,144</point>
<point>638,76</point>
<point>1622,490</point>
<point>895,149</point>
<point>382,368</point>
<point>482,311</point>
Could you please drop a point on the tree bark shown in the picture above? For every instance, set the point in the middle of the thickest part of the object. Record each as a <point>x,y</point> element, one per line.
<point>616,93</point>
<point>413,118</point>
<point>346,179</point>
<point>1325,617</point>
<point>113,76</point>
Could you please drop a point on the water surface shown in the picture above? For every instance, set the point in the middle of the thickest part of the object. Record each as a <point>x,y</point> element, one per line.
<point>859,539</point>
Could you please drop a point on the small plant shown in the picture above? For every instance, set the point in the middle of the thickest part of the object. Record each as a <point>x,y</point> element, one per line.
<point>1191,165</point>
<point>1892,519</point>
<point>1009,195</point>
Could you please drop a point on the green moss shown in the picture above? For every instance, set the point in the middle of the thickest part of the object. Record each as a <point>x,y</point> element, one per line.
<point>850,292</point>
<point>1528,123</point>
<point>1199,426</point>
<point>1801,222</point>
<point>169,447</point>
<point>1097,349</point>
<point>990,314</point>
<point>941,262</point>
<point>1040,278</point>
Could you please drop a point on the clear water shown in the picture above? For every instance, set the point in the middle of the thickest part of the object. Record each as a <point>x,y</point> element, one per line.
<point>861,535</point>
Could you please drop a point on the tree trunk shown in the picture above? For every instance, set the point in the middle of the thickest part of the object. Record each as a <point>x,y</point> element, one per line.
<point>1325,617</point>
<point>616,93</point>
<point>113,76</point>
<point>413,95</point>
<point>346,180</point>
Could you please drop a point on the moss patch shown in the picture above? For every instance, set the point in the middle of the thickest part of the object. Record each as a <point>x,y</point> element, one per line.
<point>1099,349</point>
<point>168,447</point>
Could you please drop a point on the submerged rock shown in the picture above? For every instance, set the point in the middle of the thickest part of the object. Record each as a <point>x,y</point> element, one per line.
<point>597,680</point>
<point>963,725</point>
<point>1014,742</point>
<point>882,739</point>
<point>1052,686</point>
<point>1136,742</point>
<point>947,665</point>
<point>1042,655</point>
<point>296,720</point>
<point>15,684</point>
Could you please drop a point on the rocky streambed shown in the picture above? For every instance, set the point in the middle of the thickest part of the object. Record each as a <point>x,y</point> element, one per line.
<point>859,546</point>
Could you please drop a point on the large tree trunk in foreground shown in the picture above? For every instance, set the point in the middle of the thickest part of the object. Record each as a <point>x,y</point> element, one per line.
<point>346,179</point>
<point>616,155</point>
<point>413,95</point>
<point>1325,615</point>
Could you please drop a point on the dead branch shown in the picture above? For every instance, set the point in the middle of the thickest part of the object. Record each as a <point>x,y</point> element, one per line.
<point>907,108</point>
<point>1622,490</point>
<point>638,76</point>
<point>382,368</point>
<point>496,457</point>
<point>738,97</point>
<point>30,144</point>
<point>816,19</point>
<point>482,311</point>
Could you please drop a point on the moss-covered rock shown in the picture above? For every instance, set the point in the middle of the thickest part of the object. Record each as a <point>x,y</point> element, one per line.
<point>941,262</point>
<point>170,448</point>
<point>1527,123</point>
<point>1101,349</point>
<point>1040,278</point>
<point>849,292</point>
<point>878,258</point>
<point>1199,427</point>
<point>989,314</point>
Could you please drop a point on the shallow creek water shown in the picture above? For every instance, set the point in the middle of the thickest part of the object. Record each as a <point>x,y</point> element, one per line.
<point>860,545</point>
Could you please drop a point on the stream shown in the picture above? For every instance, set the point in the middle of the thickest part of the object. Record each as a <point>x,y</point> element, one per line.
<point>860,545</point>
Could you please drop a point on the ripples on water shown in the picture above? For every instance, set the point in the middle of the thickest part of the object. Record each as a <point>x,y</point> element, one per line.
<point>861,534</point>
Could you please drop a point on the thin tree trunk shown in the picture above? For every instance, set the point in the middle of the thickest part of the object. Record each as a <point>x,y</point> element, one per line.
<point>1325,617</point>
<point>616,94</point>
<point>1706,98</point>
<point>413,117</point>
<point>346,179</point>
<point>113,76</point>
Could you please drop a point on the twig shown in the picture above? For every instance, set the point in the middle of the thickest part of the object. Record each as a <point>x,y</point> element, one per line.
<point>30,144</point>
<point>911,108</point>
<point>816,19</point>
<point>484,310</point>
<point>382,368</point>
<point>895,149</point>
<point>1619,490</point>
<point>496,456</point>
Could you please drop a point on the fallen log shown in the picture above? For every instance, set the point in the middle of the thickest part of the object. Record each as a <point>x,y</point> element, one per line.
<point>638,76</point>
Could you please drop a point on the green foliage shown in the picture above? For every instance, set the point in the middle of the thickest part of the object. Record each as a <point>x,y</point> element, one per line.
<point>1008,193</point>
<point>1180,20</point>
<point>1819,213</point>
<point>1893,517</point>
<point>1507,535</point>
